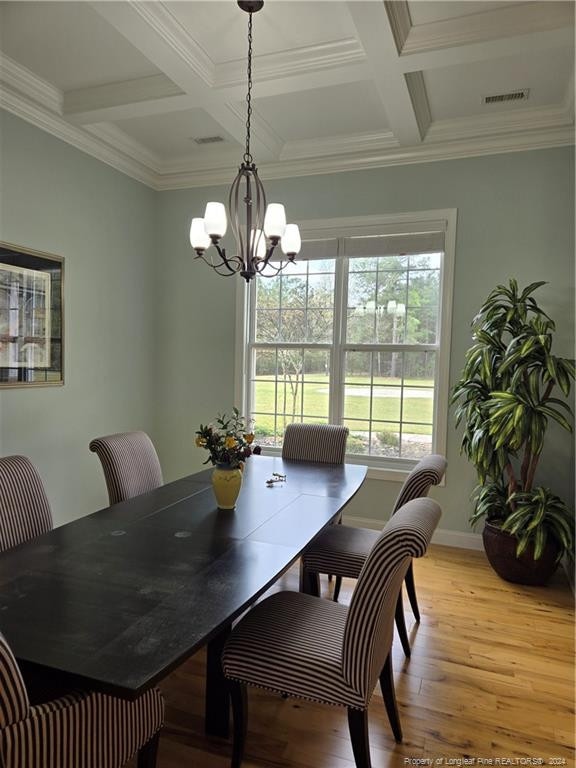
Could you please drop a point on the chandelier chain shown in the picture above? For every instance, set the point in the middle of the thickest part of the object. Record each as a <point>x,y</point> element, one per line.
<point>247,154</point>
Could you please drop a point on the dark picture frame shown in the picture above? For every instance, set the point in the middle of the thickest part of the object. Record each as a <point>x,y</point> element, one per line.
<point>31,317</point>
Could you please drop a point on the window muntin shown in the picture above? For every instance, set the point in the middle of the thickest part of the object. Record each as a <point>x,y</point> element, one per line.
<point>361,361</point>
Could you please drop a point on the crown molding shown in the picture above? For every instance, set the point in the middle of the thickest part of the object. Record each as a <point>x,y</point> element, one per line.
<point>338,145</point>
<point>118,140</point>
<point>20,79</point>
<point>55,125</point>
<point>520,121</point>
<point>422,153</point>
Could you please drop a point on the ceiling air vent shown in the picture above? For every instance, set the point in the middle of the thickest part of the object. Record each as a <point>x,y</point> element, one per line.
<point>208,139</point>
<point>498,98</point>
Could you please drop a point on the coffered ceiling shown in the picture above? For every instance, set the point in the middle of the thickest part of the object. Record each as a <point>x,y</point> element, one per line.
<point>337,85</point>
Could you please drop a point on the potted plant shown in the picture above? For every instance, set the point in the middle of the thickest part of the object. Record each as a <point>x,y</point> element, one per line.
<point>505,399</point>
<point>229,443</point>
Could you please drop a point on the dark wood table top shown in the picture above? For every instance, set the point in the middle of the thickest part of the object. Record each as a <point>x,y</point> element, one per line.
<point>118,599</point>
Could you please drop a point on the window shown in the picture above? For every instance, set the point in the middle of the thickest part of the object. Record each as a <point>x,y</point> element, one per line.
<point>356,332</point>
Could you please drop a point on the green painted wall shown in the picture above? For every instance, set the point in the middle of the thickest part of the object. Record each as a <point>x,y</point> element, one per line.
<point>55,198</point>
<point>150,332</point>
<point>515,218</point>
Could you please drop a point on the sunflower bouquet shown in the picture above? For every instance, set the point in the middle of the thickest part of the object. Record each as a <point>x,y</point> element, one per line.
<point>229,442</point>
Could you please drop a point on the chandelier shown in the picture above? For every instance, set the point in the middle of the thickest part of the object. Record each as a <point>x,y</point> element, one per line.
<point>257,228</point>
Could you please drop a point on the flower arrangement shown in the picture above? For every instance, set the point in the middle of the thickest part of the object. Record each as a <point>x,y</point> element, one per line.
<point>229,442</point>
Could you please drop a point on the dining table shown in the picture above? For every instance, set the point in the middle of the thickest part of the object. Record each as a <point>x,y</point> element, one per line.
<point>116,600</point>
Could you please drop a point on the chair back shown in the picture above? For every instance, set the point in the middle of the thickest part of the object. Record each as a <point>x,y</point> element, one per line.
<point>428,472</point>
<point>370,622</point>
<point>14,703</point>
<point>130,464</point>
<point>24,507</point>
<point>324,443</point>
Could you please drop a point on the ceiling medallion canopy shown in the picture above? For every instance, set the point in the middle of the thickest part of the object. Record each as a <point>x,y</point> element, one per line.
<point>257,227</point>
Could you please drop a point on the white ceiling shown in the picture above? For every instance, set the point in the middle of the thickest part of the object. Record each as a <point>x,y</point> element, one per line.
<point>337,85</point>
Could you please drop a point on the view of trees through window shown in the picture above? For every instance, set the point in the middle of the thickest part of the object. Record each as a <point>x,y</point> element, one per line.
<point>366,359</point>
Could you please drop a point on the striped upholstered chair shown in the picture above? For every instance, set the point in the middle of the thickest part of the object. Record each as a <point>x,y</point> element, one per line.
<point>325,443</point>
<point>77,730</point>
<point>24,507</point>
<point>343,550</point>
<point>299,645</point>
<point>130,464</point>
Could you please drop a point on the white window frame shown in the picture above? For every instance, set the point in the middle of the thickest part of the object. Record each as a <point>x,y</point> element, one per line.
<point>383,468</point>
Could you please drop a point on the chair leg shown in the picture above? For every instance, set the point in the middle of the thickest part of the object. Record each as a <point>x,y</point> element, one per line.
<point>401,625</point>
<point>148,753</point>
<point>310,583</point>
<point>411,589</point>
<point>358,725</point>
<point>239,698</point>
<point>337,587</point>
<point>389,696</point>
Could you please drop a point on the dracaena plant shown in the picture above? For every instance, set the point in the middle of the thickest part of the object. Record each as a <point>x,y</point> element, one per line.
<point>505,399</point>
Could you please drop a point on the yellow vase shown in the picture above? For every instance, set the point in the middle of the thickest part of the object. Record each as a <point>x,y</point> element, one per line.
<point>226,483</point>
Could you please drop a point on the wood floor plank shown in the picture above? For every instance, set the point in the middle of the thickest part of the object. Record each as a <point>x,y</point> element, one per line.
<point>491,676</point>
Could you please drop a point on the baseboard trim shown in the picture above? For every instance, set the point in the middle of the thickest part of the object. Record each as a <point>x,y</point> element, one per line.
<point>441,536</point>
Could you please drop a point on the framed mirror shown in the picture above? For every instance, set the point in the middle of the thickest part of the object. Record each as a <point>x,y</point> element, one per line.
<point>31,317</point>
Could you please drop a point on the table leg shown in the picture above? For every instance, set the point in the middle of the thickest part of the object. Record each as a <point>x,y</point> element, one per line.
<point>217,709</point>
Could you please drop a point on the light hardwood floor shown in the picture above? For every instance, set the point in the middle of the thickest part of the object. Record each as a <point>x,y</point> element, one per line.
<point>491,676</point>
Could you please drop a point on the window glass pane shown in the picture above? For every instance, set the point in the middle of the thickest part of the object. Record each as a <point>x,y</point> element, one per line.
<point>359,437</point>
<point>293,291</point>
<point>319,326</point>
<point>425,260</point>
<point>317,365</point>
<point>386,402</point>
<point>386,439</point>
<point>315,401</point>
<point>422,325</point>
<point>321,265</point>
<point>420,368</point>
<point>416,441</point>
<point>418,405</point>
<point>267,325</point>
<point>293,325</point>
<point>357,401</point>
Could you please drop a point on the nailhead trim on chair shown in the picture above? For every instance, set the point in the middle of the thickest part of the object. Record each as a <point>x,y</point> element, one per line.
<point>24,507</point>
<point>130,464</point>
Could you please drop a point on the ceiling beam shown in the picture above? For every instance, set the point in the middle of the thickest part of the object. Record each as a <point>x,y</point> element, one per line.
<point>121,100</point>
<point>152,29</point>
<point>377,37</point>
<point>513,21</point>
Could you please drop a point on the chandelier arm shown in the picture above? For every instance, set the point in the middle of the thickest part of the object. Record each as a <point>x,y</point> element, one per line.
<point>225,260</point>
<point>217,267</point>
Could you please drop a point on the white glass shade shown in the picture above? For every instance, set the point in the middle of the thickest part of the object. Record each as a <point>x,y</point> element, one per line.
<point>275,220</point>
<point>391,307</point>
<point>215,221</point>
<point>291,241</point>
<point>199,238</point>
<point>260,240</point>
